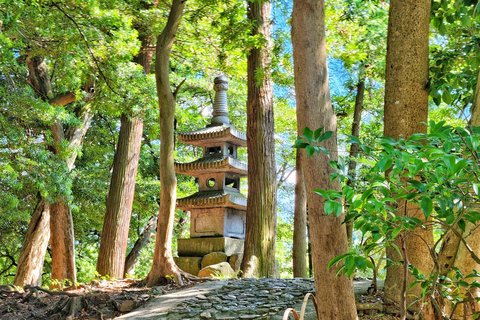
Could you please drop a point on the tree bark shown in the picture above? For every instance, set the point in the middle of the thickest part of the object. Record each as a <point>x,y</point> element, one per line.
<point>163,263</point>
<point>142,242</point>
<point>113,242</point>
<point>314,110</point>
<point>406,107</point>
<point>300,223</point>
<point>261,228</point>
<point>62,236</point>
<point>32,255</point>
<point>357,121</point>
<point>56,219</point>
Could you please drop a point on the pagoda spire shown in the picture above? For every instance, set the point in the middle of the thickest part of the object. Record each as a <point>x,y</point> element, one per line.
<point>220,105</point>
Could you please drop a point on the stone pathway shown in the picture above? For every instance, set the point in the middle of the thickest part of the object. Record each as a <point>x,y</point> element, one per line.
<point>233,300</point>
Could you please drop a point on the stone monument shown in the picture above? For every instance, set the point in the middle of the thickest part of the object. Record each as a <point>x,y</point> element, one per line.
<point>218,209</point>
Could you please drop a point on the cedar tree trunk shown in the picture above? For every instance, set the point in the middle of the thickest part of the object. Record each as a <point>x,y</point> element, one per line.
<point>300,223</point>
<point>52,221</point>
<point>113,243</point>
<point>32,255</point>
<point>163,263</point>
<point>261,228</point>
<point>406,106</point>
<point>314,110</point>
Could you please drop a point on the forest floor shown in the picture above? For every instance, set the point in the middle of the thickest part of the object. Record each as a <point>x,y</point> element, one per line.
<point>107,300</point>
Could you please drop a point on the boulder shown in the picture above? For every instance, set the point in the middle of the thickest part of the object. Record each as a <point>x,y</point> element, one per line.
<point>235,261</point>
<point>213,258</point>
<point>220,270</point>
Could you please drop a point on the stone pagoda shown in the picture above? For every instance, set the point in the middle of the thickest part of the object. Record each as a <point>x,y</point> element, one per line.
<point>218,209</point>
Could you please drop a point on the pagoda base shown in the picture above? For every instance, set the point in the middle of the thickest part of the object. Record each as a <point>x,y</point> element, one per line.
<point>198,247</point>
<point>217,222</point>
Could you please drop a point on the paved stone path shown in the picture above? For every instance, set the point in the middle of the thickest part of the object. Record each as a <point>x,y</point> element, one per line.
<point>232,300</point>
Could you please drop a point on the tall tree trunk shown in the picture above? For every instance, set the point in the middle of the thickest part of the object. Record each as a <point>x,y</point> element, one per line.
<point>406,107</point>
<point>62,242</point>
<point>142,242</point>
<point>357,121</point>
<point>32,255</point>
<point>261,228</point>
<point>163,263</point>
<point>300,223</point>
<point>56,219</point>
<point>314,110</point>
<point>113,243</point>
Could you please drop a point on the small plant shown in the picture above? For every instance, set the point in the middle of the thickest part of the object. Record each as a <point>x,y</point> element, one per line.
<point>439,172</point>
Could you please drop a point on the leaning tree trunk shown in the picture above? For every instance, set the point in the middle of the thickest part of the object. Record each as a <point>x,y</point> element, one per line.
<point>299,250</point>
<point>357,121</point>
<point>142,242</point>
<point>113,242</point>
<point>261,228</point>
<point>406,107</point>
<point>163,263</point>
<point>314,110</point>
<point>32,255</point>
<point>56,219</point>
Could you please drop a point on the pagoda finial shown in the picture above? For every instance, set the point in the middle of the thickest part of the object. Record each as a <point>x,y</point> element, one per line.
<point>220,110</point>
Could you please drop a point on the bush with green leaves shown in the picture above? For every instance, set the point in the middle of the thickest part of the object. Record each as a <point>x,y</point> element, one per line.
<point>438,171</point>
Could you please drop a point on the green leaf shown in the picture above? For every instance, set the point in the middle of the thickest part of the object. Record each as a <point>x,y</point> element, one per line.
<point>385,164</point>
<point>310,150</point>
<point>317,133</point>
<point>325,136</point>
<point>329,206</point>
<point>336,259</point>
<point>461,224</point>
<point>323,193</point>
<point>300,144</point>
<point>338,207</point>
<point>308,134</point>
<point>427,206</point>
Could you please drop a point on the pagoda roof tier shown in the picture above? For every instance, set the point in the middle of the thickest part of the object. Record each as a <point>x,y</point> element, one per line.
<point>213,199</point>
<point>214,135</point>
<point>212,164</point>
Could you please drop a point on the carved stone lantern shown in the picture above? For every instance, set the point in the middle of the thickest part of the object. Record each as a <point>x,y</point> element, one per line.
<point>218,209</point>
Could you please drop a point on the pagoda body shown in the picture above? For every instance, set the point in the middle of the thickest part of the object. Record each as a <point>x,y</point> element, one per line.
<point>218,209</point>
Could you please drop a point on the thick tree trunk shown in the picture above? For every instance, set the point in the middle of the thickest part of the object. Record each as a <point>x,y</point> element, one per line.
<point>300,223</point>
<point>142,242</point>
<point>357,121</point>
<point>62,242</point>
<point>406,107</point>
<point>163,263</point>
<point>314,110</point>
<point>113,243</point>
<point>261,229</point>
<point>32,255</point>
<point>55,219</point>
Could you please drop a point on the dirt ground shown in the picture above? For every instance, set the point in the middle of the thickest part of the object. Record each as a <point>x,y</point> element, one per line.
<point>105,300</point>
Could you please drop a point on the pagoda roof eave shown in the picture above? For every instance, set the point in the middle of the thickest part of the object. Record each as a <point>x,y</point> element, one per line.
<point>213,199</point>
<point>214,134</point>
<point>212,164</point>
